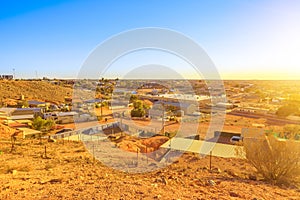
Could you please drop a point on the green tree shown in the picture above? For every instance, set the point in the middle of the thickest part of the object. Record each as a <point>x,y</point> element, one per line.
<point>48,125</point>
<point>133,98</point>
<point>138,109</point>
<point>138,104</point>
<point>138,113</point>
<point>38,123</point>
<point>42,124</point>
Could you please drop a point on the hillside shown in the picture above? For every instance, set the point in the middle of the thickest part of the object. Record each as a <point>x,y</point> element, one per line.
<point>38,90</point>
<point>69,172</point>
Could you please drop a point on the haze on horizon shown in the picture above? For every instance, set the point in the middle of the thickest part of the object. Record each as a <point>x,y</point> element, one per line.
<point>245,39</point>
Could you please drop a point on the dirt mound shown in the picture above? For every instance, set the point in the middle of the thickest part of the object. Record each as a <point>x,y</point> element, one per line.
<point>155,142</point>
<point>131,146</point>
<point>114,130</point>
<point>135,144</point>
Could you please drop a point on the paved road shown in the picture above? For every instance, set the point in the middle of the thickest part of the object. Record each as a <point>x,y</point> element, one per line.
<point>271,119</point>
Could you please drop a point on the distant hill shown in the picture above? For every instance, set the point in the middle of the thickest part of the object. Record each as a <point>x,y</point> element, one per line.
<point>38,90</point>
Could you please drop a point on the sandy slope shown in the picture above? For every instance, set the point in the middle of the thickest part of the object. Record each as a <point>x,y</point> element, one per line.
<point>70,172</point>
<point>38,90</point>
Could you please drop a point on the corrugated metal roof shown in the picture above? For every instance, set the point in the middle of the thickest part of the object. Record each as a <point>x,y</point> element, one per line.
<point>202,147</point>
<point>28,131</point>
<point>176,104</point>
<point>18,117</point>
<point>34,102</point>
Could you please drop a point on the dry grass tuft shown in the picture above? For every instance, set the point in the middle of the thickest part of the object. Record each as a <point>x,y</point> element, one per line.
<point>277,161</point>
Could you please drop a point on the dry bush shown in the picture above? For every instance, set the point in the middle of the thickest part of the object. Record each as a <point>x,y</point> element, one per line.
<point>277,161</point>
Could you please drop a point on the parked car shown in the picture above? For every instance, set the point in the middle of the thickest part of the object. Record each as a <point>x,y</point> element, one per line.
<point>235,139</point>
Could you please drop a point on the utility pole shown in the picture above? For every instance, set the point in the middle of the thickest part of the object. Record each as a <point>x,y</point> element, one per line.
<point>163,116</point>
<point>14,73</point>
<point>101,107</point>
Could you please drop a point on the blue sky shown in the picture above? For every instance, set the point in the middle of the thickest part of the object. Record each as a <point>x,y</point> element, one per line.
<point>256,39</point>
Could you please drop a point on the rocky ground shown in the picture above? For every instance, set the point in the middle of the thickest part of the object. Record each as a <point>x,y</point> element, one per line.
<point>68,171</point>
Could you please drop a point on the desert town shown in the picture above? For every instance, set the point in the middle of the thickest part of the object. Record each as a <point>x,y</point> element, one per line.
<point>167,100</point>
<point>152,121</point>
<point>264,104</point>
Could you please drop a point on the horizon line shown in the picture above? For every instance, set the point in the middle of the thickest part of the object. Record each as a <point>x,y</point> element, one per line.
<point>204,79</point>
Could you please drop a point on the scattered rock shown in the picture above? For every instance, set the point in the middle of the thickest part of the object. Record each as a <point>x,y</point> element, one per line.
<point>91,182</point>
<point>42,182</point>
<point>216,170</point>
<point>231,173</point>
<point>252,177</point>
<point>6,188</point>
<point>233,194</point>
<point>55,180</point>
<point>139,192</point>
<point>173,178</point>
<point>211,182</point>
<point>14,172</point>
<point>52,181</point>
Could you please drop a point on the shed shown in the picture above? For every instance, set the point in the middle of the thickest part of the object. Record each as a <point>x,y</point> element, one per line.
<point>28,133</point>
